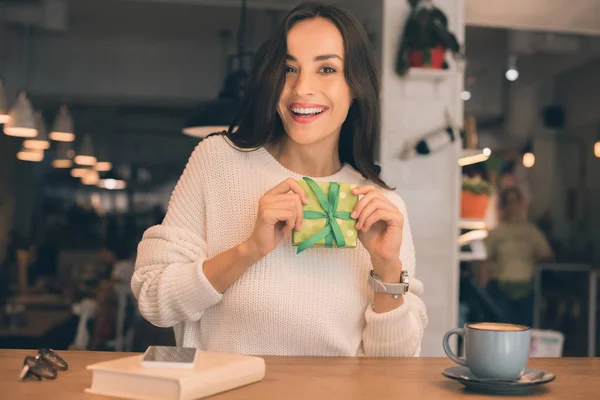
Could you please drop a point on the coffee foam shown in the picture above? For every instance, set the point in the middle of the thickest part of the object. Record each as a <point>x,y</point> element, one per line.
<point>494,326</point>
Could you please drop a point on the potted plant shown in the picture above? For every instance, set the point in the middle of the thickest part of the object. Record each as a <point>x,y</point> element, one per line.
<point>425,38</point>
<point>474,197</point>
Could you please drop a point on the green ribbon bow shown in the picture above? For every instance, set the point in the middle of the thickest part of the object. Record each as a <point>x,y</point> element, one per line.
<point>332,230</point>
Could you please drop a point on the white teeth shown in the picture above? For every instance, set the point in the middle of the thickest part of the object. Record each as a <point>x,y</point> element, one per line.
<point>307,111</point>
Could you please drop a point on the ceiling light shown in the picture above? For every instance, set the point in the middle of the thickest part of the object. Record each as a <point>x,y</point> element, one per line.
<point>41,140</point>
<point>62,130</point>
<point>79,172</point>
<point>21,123</point>
<point>4,112</point>
<point>32,155</point>
<point>85,155</point>
<point>528,156</point>
<point>512,73</point>
<point>62,158</point>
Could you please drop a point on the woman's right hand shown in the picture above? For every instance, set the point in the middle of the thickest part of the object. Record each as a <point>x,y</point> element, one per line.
<point>279,211</point>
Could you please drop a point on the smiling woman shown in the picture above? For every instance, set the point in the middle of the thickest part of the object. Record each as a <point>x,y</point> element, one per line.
<point>319,59</point>
<point>222,269</point>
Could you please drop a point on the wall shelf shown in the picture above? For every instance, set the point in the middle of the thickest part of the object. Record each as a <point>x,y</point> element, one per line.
<point>473,156</point>
<point>466,223</point>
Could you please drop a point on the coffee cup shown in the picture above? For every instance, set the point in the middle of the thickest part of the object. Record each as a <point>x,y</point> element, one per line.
<point>492,350</point>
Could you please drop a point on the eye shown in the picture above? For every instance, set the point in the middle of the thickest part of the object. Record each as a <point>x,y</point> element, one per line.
<point>289,69</point>
<point>328,70</point>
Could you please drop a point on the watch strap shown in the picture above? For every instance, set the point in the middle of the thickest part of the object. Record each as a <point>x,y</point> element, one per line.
<point>395,289</point>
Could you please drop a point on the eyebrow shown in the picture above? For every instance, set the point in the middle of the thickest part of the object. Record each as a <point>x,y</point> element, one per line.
<point>322,57</point>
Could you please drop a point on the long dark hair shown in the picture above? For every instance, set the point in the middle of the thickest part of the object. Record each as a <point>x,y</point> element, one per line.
<point>258,121</point>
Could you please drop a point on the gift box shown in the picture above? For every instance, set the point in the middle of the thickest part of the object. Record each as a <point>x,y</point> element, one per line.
<point>327,221</point>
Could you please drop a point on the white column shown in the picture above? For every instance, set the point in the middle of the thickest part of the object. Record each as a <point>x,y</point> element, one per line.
<point>429,185</point>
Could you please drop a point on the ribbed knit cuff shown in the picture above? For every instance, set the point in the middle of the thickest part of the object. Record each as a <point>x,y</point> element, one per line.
<point>396,333</point>
<point>189,290</point>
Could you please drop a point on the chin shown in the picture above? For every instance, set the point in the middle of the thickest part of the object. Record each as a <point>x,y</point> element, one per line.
<point>305,136</point>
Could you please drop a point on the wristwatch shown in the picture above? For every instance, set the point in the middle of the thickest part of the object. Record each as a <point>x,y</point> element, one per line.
<point>395,289</point>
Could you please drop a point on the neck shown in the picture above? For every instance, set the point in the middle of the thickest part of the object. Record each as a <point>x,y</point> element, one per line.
<point>316,160</point>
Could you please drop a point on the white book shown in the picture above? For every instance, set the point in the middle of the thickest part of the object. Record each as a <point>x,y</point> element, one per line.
<point>212,373</point>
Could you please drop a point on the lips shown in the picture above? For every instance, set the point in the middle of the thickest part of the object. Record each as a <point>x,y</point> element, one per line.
<point>306,112</point>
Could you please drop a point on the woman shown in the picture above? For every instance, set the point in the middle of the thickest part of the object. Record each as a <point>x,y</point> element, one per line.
<point>221,267</point>
<point>513,247</point>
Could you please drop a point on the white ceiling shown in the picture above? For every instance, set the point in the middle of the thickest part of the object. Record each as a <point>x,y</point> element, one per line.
<point>573,16</point>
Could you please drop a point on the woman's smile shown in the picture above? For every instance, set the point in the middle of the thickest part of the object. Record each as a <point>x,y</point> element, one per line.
<point>305,113</point>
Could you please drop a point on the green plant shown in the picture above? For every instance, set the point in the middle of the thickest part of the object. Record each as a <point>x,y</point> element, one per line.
<point>476,185</point>
<point>426,28</point>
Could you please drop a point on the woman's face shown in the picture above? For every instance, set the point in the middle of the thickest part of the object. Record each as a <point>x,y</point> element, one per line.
<point>316,97</point>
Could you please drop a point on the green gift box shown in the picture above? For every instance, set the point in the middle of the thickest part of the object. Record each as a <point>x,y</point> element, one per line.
<point>327,221</point>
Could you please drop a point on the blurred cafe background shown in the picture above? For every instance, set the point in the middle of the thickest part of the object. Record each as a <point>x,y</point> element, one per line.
<point>491,134</point>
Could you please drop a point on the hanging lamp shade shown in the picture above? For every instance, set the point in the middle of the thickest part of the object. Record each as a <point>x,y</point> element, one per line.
<point>217,115</point>
<point>32,155</point>
<point>63,158</point>
<point>21,123</point>
<point>102,164</point>
<point>85,155</point>
<point>80,172</point>
<point>4,112</point>
<point>112,181</point>
<point>90,178</point>
<point>62,130</point>
<point>41,140</point>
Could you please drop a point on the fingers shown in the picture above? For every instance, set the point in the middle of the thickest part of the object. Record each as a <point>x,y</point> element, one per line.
<point>381,214</point>
<point>362,203</point>
<point>274,215</point>
<point>287,186</point>
<point>289,201</point>
<point>372,207</point>
<point>360,190</point>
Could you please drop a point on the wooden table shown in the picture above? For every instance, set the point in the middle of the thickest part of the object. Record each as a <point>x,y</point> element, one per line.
<point>315,378</point>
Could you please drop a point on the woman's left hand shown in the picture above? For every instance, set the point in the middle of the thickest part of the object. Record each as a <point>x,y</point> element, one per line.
<point>379,225</point>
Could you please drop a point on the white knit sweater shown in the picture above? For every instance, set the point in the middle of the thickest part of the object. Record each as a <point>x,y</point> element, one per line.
<point>317,302</point>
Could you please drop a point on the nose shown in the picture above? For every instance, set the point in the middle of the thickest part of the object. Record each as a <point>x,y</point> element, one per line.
<point>304,85</point>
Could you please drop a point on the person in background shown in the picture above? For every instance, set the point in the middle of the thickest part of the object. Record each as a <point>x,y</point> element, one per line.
<point>221,267</point>
<point>514,247</point>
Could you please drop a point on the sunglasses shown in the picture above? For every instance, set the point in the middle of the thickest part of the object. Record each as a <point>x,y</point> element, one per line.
<point>45,365</point>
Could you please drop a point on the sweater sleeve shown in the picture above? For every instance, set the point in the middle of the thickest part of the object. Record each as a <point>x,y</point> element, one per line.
<point>398,333</point>
<point>169,282</point>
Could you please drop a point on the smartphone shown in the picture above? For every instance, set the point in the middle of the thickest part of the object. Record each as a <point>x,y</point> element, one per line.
<point>169,357</point>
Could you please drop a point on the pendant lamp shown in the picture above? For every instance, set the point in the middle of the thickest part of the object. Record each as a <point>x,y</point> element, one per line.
<point>217,115</point>
<point>102,164</point>
<point>62,130</point>
<point>85,155</point>
<point>4,115</point>
<point>21,123</point>
<point>41,140</point>
<point>90,178</point>
<point>62,160</point>
<point>80,172</point>
<point>32,155</point>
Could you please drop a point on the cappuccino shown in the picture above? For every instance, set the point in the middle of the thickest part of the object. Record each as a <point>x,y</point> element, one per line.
<point>493,326</point>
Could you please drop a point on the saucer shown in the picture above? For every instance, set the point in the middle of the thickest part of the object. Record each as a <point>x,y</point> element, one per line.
<point>531,379</point>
